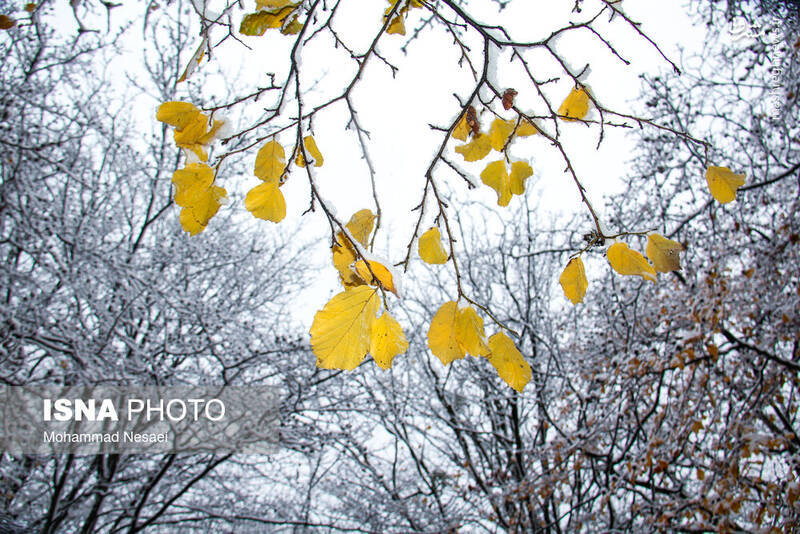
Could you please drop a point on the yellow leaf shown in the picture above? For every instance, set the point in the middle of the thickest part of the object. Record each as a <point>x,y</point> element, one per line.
<point>383,275</point>
<point>192,131</point>
<point>525,129</point>
<point>462,129</point>
<point>313,151</point>
<point>177,114</point>
<point>194,61</point>
<point>344,254</point>
<point>360,225</point>
<point>576,105</point>
<point>573,280</point>
<point>30,7</point>
<point>511,366</point>
<point>520,171</point>
<point>499,133</point>
<point>196,135</point>
<point>195,218</point>
<point>477,149</point>
<point>496,176</point>
<point>442,334</point>
<point>292,28</point>
<point>663,253</point>
<point>189,223</point>
<point>397,26</point>
<point>257,23</point>
<point>340,333</point>
<point>198,150</point>
<point>343,258</point>
<point>270,162</point>
<point>629,262</point>
<point>212,132</point>
<point>723,183</point>
<point>386,340</point>
<point>207,204</point>
<point>266,201</point>
<point>431,249</point>
<point>469,332</point>
<point>195,192</point>
<point>190,182</point>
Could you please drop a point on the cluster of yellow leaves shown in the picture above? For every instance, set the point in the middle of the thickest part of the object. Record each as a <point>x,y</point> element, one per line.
<point>397,25</point>
<point>456,332</point>
<point>272,14</point>
<point>347,327</point>
<point>354,273</point>
<point>196,193</point>
<point>193,131</point>
<point>266,201</point>
<point>662,252</point>
<point>496,174</point>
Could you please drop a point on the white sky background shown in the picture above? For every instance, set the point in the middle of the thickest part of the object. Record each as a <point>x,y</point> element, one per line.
<point>397,111</point>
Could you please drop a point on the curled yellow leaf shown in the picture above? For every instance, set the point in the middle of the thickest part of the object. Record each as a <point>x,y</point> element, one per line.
<point>664,253</point>
<point>386,340</point>
<point>462,129</point>
<point>313,152</point>
<point>431,249</point>
<point>723,183</point>
<point>195,134</point>
<point>266,201</point>
<point>576,105</point>
<point>380,273</point>
<point>344,253</point>
<point>629,262</point>
<point>511,366</point>
<point>573,280</point>
<point>442,334</point>
<point>341,331</point>
<point>477,149</point>
<point>397,26</point>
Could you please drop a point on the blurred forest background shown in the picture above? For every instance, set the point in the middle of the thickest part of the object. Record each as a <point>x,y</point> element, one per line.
<point>669,407</point>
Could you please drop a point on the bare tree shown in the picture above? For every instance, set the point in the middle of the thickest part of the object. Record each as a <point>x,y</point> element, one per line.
<point>100,285</point>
